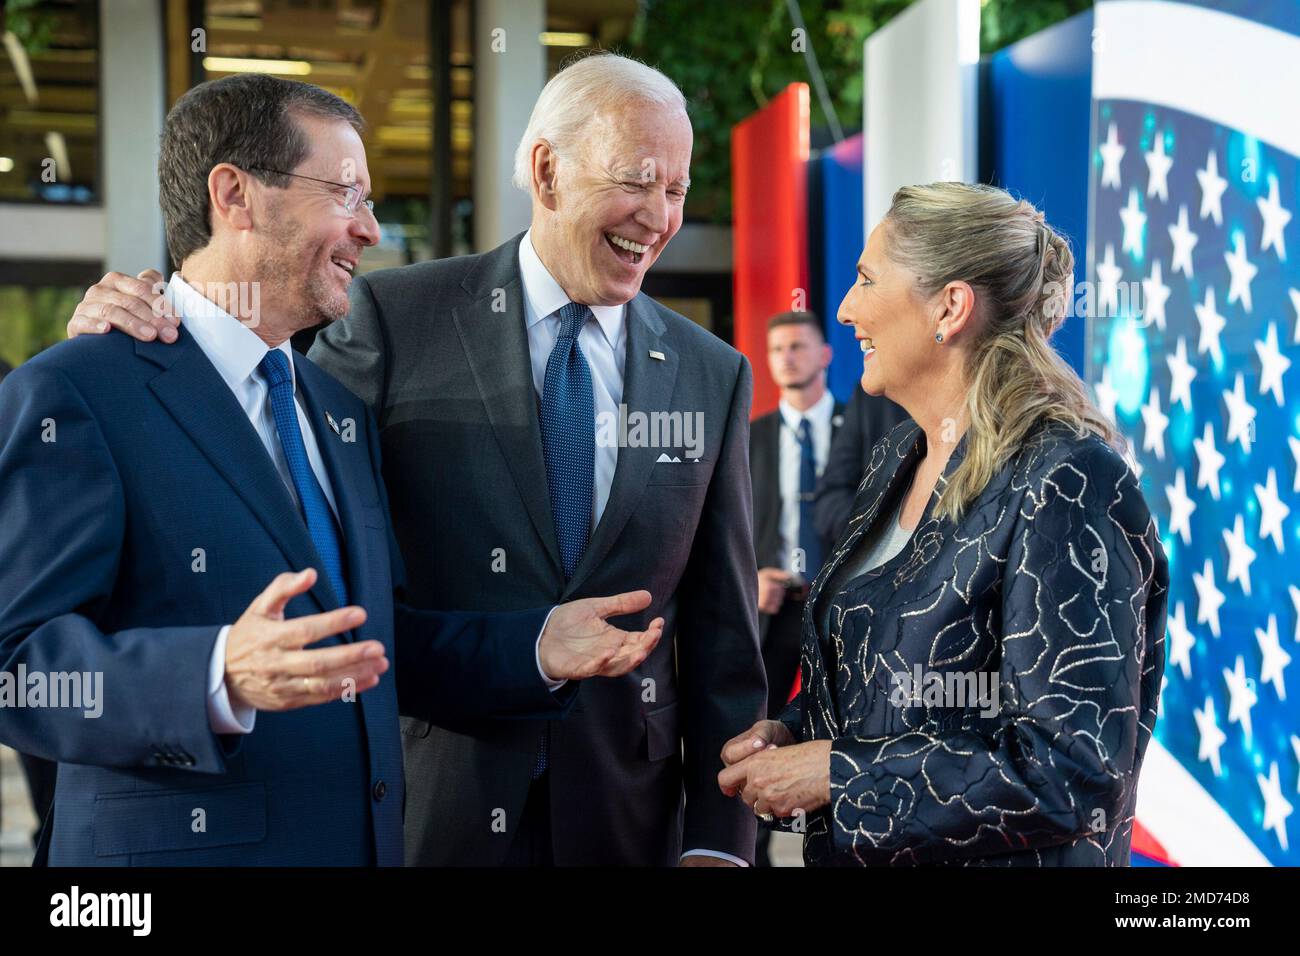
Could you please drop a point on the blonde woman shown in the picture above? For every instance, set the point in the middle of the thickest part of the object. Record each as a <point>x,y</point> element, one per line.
<point>982,651</point>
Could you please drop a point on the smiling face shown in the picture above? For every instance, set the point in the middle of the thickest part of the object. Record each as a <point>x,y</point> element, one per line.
<point>308,247</point>
<point>604,212</point>
<point>891,320</point>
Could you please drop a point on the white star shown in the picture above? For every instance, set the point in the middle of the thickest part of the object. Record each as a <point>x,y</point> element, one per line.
<point>1273,364</point>
<point>1241,415</point>
<point>1181,642</point>
<point>1295,745</point>
<point>1135,221</point>
<point>1181,374</point>
<point>1212,187</point>
<point>1241,696</point>
<point>1180,506</point>
<point>1154,294</point>
<point>1295,603</point>
<point>1275,220</point>
<point>1295,307</point>
<point>1272,511</point>
<point>1242,272</point>
<point>1184,242</point>
<point>1210,462</point>
<point>1156,421</point>
<point>1240,557</point>
<point>1276,808</point>
<point>1109,275</point>
<point>1208,598</point>
<point>1212,738</point>
<point>1107,396</point>
<point>1158,169</point>
<point>1111,153</point>
<point>1211,325</point>
<point>1275,659</point>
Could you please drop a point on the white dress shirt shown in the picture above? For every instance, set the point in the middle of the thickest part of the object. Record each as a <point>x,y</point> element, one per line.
<point>236,351</point>
<point>819,416</point>
<point>604,345</point>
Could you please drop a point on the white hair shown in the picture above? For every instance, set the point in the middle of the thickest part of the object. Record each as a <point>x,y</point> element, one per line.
<point>578,92</point>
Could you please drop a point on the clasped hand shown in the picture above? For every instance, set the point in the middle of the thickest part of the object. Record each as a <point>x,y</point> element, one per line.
<point>773,774</point>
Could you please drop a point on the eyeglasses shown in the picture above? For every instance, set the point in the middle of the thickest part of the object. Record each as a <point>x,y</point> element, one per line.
<point>351,199</point>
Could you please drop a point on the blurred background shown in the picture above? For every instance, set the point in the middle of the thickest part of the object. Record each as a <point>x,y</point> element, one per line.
<point>1161,138</point>
<point>446,86</point>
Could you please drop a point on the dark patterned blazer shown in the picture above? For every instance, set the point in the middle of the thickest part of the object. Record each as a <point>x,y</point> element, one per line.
<point>1050,592</point>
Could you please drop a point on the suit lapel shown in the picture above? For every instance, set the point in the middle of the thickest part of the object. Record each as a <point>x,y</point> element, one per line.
<point>648,385</point>
<point>496,346</point>
<point>201,403</point>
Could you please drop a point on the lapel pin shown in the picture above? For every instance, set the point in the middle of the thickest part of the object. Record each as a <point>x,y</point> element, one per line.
<point>658,356</point>
<point>837,421</point>
<point>332,423</point>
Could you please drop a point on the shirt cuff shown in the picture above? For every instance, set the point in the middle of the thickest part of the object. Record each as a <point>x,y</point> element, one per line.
<point>551,685</point>
<point>222,717</point>
<point>721,856</point>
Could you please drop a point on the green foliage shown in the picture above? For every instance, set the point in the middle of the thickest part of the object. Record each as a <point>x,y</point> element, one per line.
<point>33,27</point>
<point>731,56</point>
<point>33,319</point>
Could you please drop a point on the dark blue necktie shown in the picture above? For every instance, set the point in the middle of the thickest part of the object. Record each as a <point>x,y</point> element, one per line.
<point>809,542</point>
<point>568,423</point>
<point>315,509</point>
<point>568,420</point>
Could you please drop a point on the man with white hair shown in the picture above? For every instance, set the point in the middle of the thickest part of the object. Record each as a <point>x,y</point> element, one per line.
<point>550,432</point>
<point>502,383</point>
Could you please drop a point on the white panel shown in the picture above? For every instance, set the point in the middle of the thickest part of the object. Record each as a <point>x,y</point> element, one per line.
<point>132,107</point>
<point>920,106</point>
<point>34,231</point>
<point>506,85</point>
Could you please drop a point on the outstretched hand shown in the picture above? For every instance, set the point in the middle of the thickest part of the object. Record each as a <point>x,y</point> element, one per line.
<point>578,642</point>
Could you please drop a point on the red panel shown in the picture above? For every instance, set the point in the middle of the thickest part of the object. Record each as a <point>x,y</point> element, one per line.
<point>769,183</point>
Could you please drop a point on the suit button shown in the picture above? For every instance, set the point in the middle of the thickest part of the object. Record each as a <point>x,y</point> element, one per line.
<point>380,790</point>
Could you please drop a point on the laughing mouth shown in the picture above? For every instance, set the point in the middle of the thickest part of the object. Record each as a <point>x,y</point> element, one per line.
<point>626,249</point>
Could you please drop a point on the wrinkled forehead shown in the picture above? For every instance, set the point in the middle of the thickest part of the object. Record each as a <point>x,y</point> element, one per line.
<point>638,137</point>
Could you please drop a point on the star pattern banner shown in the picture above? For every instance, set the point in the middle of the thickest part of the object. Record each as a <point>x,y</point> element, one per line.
<point>1194,351</point>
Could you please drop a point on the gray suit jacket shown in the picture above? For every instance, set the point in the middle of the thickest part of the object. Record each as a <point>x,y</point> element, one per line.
<point>439,350</point>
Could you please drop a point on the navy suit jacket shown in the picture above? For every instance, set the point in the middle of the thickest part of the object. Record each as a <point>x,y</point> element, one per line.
<point>140,514</point>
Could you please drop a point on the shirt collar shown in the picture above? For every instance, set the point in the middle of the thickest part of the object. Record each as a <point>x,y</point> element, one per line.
<point>229,344</point>
<point>545,297</point>
<point>820,411</point>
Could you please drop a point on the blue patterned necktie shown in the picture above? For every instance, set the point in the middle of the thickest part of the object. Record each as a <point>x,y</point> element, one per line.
<point>808,538</point>
<point>274,368</point>
<point>568,423</point>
